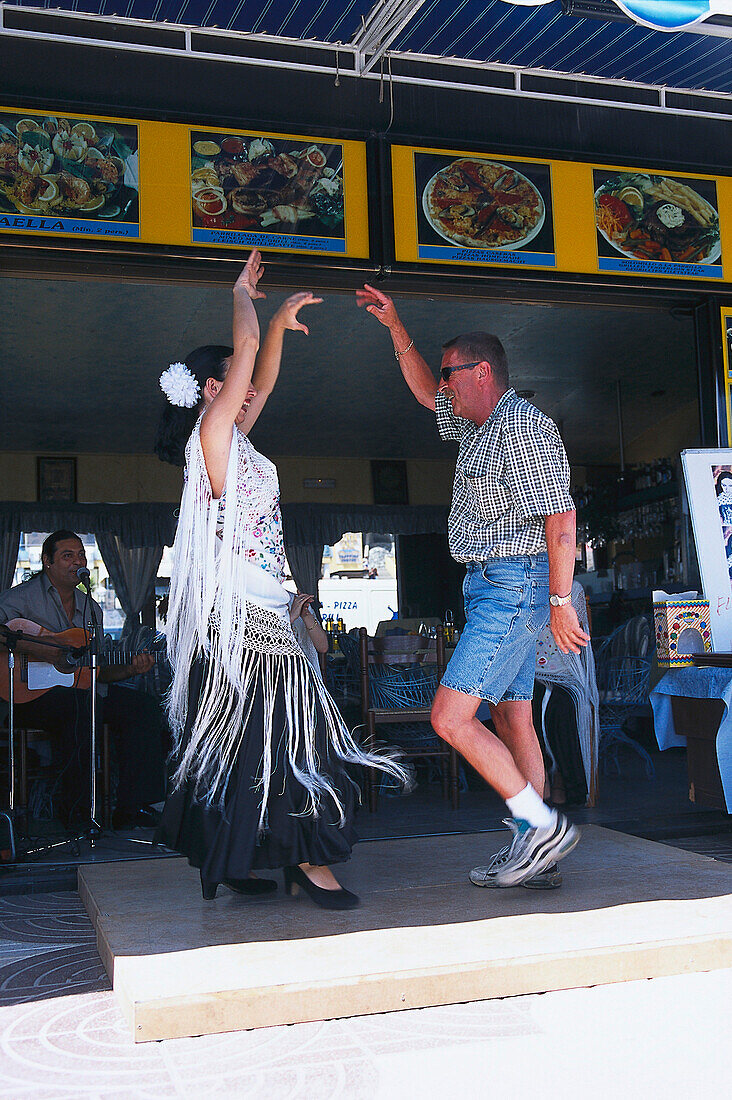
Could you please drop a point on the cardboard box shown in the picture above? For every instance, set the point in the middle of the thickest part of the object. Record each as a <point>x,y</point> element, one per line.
<point>683,627</point>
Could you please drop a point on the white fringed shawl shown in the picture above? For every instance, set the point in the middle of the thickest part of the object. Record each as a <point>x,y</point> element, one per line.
<point>214,613</point>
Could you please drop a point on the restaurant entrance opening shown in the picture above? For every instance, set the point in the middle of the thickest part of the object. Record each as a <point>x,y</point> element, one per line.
<point>621,376</point>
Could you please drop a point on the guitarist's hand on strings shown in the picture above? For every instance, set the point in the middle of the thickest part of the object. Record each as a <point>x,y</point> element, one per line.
<point>141,663</point>
<point>138,666</point>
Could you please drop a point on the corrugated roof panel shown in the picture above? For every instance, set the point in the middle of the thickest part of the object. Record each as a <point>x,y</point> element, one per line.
<point>325,20</point>
<point>544,37</point>
<point>492,31</point>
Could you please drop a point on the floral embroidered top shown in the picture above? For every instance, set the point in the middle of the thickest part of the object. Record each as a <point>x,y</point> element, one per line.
<point>258,490</point>
<point>258,497</point>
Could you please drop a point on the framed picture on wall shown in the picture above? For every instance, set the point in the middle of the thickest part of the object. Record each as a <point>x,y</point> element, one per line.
<point>708,477</point>
<point>56,479</point>
<point>389,481</point>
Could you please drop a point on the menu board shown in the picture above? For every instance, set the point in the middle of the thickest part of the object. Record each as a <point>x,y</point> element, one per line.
<point>647,223</point>
<point>68,175</point>
<point>273,192</point>
<point>210,188</point>
<point>170,184</point>
<point>473,208</point>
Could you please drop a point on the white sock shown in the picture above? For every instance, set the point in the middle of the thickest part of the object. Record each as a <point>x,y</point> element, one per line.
<point>527,806</point>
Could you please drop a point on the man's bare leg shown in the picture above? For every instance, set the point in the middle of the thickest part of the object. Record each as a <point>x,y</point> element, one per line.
<point>453,718</point>
<point>514,724</point>
<point>542,836</point>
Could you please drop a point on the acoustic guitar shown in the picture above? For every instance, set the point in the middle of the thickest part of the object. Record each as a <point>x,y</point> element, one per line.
<point>34,676</point>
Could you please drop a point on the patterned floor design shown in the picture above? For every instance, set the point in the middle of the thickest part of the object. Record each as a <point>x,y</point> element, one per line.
<point>47,948</point>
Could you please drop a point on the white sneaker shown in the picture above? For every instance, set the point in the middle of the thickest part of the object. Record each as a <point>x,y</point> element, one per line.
<point>549,879</point>
<point>535,848</point>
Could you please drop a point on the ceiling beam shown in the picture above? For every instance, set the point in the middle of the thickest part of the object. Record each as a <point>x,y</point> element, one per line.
<point>385,22</point>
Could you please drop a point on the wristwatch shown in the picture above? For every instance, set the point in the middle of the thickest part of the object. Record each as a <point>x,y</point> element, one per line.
<point>560,601</point>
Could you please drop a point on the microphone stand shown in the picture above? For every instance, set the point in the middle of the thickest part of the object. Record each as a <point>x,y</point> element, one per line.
<point>92,633</point>
<point>11,638</point>
<point>93,649</point>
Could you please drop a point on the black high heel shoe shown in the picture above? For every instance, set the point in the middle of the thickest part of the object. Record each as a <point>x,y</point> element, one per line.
<point>295,877</point>
<point>251,887</point>
<point>208,889</point>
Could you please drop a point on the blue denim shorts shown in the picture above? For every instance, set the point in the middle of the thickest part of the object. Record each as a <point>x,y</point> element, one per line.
<point>506,608</point>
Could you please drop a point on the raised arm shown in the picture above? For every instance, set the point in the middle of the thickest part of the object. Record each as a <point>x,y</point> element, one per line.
<point>224,400</point>
<point>417,374</point>
<point>267,366</point>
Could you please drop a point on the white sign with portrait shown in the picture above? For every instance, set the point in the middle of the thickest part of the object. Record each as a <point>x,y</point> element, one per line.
<point>708,476</point>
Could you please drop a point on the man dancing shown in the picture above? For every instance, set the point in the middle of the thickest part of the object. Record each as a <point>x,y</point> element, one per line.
<point>512,523</point>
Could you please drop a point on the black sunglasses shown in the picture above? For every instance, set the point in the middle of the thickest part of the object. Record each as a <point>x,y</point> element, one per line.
<point>445,372</point>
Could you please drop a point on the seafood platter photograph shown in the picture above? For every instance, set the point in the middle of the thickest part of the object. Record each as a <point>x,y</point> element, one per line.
<point>657,223</point>
<point>484,208</point>
<point>260,190</point>
<point>58,173</point>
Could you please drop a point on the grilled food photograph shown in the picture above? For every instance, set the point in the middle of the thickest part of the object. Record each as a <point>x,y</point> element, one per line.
<point>239,183</point>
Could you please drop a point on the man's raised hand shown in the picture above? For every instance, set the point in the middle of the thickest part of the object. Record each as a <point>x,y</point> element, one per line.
<point>379,305</point>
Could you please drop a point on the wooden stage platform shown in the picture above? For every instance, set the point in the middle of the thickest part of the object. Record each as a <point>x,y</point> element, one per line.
<point>629,909</point>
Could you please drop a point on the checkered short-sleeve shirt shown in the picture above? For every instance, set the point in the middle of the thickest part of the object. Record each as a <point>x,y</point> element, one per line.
<point>510,473</point>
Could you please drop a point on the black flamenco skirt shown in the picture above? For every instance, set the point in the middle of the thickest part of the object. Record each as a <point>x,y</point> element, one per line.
<point>223,841</point>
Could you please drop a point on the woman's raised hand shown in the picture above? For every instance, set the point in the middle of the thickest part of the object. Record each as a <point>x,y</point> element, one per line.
<point>286,315</point>
<point>250,276</point>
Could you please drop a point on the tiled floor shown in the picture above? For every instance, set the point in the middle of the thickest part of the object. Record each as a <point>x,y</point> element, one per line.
<point>47,948</point>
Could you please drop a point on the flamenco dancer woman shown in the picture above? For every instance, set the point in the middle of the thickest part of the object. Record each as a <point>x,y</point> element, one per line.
<point>260,749</point>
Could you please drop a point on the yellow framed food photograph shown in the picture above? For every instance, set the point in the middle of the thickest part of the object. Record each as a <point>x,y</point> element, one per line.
<point>652,223</point>
<point>474,208</point>
<point>726,323</point>
<point>69,175</point>
<point>278,191</point>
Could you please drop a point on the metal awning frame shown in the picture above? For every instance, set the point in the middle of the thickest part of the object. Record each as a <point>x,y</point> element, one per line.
<point>369,49</point>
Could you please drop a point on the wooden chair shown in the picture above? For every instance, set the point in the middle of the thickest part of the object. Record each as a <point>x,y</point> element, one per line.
<point>399,677</point>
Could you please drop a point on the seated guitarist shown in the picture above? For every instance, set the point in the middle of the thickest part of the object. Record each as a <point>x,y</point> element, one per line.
<point>53,600</point>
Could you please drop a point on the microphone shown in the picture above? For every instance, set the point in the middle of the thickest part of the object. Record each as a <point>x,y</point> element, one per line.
<point>83,575</point>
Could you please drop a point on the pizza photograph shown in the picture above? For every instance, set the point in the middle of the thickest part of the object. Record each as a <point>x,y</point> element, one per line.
<point>481,202</point>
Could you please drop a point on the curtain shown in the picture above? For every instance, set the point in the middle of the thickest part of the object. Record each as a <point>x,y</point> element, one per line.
<point>307,524</point>
<point>309,527</point>
<point>146,524</point>
<point>305,562</point>
<point>9,544</point>
<point>132,570</point>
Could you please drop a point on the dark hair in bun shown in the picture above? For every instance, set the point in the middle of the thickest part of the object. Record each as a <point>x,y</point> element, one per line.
<point>176,423</point>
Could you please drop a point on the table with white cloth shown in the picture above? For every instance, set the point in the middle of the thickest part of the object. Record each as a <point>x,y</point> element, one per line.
<point>692,708</point>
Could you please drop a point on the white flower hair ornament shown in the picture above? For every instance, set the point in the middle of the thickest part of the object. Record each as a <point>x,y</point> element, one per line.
<point>179,386</point>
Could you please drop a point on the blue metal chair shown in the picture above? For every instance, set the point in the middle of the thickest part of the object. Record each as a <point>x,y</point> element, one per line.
<point>623,686</point>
